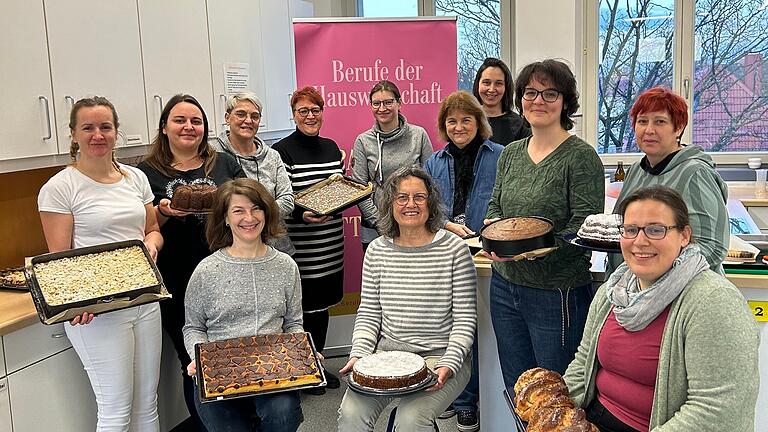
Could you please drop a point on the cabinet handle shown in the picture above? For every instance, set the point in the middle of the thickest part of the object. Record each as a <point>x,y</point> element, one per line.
<point>57,335</point>
<point>159,102</point>
<point>47,114</point>
<point>70,102</point>
<point>223,100</point>
<point>3,386</point>
<point>290,108</point>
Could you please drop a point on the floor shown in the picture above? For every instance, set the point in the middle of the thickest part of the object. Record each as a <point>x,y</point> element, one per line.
<point>321,412</point>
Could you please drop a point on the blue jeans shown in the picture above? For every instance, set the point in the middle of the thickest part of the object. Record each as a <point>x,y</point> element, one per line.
<point>276,412</point>
<point>536,327</point>
<point>467,400</point>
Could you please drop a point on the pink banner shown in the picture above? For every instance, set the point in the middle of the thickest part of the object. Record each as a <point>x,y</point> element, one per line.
<point>344,60</point>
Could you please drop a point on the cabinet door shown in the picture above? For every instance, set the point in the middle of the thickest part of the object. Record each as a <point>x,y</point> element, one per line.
<point>34,343</point>
<point>235,37</point>
<point>94,48</point>
<point>2,359</point>
<point>174,46</point>
<point>5,407</point>
<point>280,72</point>
<point>28,122</point>
<point>52,395</point>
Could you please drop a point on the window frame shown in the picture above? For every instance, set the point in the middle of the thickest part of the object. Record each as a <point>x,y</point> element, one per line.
<point>683,54</point>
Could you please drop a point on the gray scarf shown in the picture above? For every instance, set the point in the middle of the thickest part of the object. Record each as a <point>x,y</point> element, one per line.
<point>635,308</point>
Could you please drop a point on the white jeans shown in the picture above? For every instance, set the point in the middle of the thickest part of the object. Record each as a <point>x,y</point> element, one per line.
<point>415,412</point>
<point>121,352</point>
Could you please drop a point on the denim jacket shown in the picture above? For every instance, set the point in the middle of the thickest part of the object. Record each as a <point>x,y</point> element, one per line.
<point>440,167</point>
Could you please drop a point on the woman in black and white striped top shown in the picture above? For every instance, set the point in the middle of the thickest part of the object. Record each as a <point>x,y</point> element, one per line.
<point>319,241</point>
<point>418,295</point>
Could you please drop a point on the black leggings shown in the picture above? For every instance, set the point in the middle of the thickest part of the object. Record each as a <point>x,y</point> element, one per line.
<point>316,323</point>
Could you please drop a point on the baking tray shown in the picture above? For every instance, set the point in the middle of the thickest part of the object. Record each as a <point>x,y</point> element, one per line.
<point>515,248</point>
<point>365,192</point>
<point>123,300</point>
<point>427,382</point>
<point>575,240</point>
<point>519,423</point>
<point>201,391</point>
<point>3,285</point>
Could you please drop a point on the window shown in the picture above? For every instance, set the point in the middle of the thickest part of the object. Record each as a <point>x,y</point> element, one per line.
<point>389,8</point>
<point>479,34</point>
<point>714,54</point>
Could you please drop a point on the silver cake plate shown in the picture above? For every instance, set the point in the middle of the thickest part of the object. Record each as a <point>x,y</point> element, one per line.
<point>429,381</point>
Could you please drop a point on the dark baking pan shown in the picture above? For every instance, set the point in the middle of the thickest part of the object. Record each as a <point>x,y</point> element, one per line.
<point>512,248</point>
<point>365,192</point>
<point>46,311</point>
<point>201,392</point>
<point>10,286</point>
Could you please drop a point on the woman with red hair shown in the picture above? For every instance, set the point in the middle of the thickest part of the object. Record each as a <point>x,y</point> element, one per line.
<point>659,117</point>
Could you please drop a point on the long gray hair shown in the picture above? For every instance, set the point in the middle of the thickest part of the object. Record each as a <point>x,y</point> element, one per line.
<point>385,198</point>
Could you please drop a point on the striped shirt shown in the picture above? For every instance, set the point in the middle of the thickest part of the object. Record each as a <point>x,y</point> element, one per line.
<point>319,247</point>
<point>420,297</point>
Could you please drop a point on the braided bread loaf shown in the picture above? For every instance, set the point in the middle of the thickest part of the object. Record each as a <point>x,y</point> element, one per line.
<point>541,399</point>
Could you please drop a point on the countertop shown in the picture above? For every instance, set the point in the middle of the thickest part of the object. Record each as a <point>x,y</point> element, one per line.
<point>16,311</point>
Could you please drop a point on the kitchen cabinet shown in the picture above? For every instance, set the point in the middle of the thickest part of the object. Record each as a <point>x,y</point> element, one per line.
<point>760,216</point>
<point>32,344</point>
<point>281,75</point>
<point>94,49</point>
<point>176,57</point>
<point>2,359</point>
<point>52,395</point>
<point>28,118</point>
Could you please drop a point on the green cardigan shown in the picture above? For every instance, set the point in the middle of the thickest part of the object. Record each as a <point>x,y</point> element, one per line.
<point>707,378</point>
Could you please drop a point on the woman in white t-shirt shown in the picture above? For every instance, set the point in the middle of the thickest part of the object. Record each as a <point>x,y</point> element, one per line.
<point>97,200</point>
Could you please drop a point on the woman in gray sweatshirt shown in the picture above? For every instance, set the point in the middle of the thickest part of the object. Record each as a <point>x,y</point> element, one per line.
<point>245,288</point>
<point>391,143</point>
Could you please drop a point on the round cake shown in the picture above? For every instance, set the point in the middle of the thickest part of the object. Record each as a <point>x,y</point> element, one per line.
<point>517,228</point>
<point>194,197</point>
<point>388,370</point>
<point>601,230</point>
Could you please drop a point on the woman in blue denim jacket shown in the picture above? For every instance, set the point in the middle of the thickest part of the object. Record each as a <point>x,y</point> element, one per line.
<point>465,171</point>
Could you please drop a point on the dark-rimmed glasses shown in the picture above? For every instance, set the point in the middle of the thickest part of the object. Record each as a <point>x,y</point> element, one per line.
<point>305,111</point>
<point>388,103</point>
<point>418,199</point>
<point>549,95</point>
<point>242,115</point>
<point>653,232</point>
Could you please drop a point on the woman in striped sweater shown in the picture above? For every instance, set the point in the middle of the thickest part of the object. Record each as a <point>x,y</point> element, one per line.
<point>418,295</point>
<point>319,240</point>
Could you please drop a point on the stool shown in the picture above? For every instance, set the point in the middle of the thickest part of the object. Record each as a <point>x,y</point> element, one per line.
<point>391,422</point>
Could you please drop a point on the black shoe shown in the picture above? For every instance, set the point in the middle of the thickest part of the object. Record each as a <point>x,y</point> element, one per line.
<point>448,413</point>
<point>467,421</point>
<point>314,391</point>
<point>332,380</point>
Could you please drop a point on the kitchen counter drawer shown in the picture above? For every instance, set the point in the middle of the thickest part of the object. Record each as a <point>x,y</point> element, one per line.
<point>32,344</point>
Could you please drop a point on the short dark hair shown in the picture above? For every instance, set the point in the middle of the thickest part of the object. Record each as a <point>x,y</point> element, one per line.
<point>554,73</point>
<point>663,194</point>
<point>463,101</point>
<point>160,156</point>
<point>309,93</point>
<point>385,197</point>
<point>218,234</point>
<point>385,85</point>
<point>506,100</point>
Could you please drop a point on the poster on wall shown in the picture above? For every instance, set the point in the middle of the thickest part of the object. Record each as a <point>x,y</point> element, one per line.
<point>343,59</point>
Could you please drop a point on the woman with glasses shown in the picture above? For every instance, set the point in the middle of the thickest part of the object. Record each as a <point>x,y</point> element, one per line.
<point>538,307</point>
<point>418,295</point>
<point>319,240</point>
<point>669,344</point>
<point>493,88</point>
<point>180,154</point>
<point>259,161</point>
<point>391,143</point>
<point>659,117</point>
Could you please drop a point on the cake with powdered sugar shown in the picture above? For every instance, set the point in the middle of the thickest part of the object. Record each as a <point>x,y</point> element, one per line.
<point>390,370</point>
<point>601,230</point>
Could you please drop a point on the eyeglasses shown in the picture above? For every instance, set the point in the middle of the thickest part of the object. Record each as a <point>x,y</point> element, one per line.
<point>653,232</point>
<point>242,115</point>
<point>305,111</point>
<point>388,103</point>
<point>418,199</point>
<point>549,95</point>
